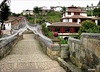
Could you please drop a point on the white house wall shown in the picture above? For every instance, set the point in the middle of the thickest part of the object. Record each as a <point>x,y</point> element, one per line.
<point>58,9</point>
<point>83,14</point>
<point>7,26</point>
<point>70,20</point>
<point>78,21</point>
<point>69,15</point>
<point>65,20</point>
<point>96,21</point>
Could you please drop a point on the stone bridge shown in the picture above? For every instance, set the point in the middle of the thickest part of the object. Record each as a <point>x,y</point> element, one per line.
<point>33,52</point>
<point>27,56</point>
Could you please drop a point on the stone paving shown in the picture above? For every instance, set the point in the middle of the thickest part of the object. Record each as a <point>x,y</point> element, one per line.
<point>27,56</point>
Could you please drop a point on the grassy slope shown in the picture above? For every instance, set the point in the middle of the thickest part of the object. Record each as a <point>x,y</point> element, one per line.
<point>50,17</point>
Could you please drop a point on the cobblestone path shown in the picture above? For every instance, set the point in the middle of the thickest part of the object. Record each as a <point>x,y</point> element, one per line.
<point>26,56</point>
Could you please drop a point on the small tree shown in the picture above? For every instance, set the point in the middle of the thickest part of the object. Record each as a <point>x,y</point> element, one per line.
<point>96,12</point>
<point>36,10</point>
<point>87,27</point>
<point>4,13</point>
<point>63,9</point>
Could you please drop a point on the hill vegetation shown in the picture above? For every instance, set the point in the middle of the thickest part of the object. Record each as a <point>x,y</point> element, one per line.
<point>51,17</point>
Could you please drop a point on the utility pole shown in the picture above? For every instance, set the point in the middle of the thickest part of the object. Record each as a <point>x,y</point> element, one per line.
<point>91,9</point>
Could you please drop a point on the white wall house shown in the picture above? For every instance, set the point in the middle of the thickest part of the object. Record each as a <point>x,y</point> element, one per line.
<point>74,14</point>
<point>28,12</point>
<point>57,8</point>
<point>7,25</point>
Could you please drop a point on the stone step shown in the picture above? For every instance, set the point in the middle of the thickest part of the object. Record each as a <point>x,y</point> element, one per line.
<point>26,58</point>
<point>10,66</point>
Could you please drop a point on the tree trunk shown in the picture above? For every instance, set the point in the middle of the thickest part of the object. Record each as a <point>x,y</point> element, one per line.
<point>2,25</point>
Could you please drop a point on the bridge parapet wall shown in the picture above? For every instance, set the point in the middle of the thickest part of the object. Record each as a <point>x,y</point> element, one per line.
<point>85,53</point>
<point>6,46</point>
<point>53,49</point>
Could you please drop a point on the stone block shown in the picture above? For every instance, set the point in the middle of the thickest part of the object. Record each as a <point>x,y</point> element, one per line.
<point>84,68</point>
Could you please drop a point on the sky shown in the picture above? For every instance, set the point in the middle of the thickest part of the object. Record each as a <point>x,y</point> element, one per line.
<point>18,6</point>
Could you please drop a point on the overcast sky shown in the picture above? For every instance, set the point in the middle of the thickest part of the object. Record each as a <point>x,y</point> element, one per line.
<point>18,6</point>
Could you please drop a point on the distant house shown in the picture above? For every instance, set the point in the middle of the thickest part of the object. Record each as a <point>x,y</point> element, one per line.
<point>7,25</point>
<point>93,7</point>
<point>28,12</point>
<point>75,14</point>
<point>56,8</point>
<point>43,8</point>
<point>71,21</point>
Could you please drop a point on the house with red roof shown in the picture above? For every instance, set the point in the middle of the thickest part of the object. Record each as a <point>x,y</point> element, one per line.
<point>71,21</point>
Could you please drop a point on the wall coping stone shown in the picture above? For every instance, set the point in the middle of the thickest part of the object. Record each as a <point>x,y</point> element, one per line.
<point>68,66</point>
<point>64,45</point>
<point>91,35</point>
<point>75,40</point>
<point>3,43</point>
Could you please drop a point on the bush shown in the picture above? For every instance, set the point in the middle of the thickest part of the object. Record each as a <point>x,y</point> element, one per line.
<point>50,34</point>
<point>89,27</point>
<point>62,41</point>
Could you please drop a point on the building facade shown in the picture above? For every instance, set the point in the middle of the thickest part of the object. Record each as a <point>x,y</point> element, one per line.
<point>71,21</point>
<point>75,14</point>
<point>93,7</point>
<point>56,8</point>
<point>28,12</point>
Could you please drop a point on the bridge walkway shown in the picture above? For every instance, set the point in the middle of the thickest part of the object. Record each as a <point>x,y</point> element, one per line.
<point>27,56</point>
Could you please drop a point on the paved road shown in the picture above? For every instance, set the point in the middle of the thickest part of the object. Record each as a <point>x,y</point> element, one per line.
<point>28,57</point>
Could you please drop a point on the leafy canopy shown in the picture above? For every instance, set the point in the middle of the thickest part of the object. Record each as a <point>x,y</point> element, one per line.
<point>63,9</point>
<point>89,27</point>
<point>4,13</point>
<point>37,10</point>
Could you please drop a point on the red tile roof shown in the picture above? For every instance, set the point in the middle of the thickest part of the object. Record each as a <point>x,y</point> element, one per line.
<point>65,24</point>
<point>80,17</point>
<point>76,10</point>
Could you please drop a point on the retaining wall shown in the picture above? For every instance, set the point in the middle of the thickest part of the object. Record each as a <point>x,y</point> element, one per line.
<point>85,53</point>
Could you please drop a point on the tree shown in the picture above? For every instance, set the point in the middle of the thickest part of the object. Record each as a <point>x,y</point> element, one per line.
<point>3,2</point>
<point>4,13</point>
<point>88,12</point>
<point>37,10</point>
<point>89,27</point>
<point>63,9</point>
<point>96,12</point>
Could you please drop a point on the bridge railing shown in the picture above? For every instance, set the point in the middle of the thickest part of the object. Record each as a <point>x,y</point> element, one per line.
<point>7,43</point>
<point>6,46</point>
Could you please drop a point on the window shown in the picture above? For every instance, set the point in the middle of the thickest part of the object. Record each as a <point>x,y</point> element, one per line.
<point>50,29</point>
<point>76,30</point>
<point>69,13</point>
<point>74,20</point>
<point>57,29</point>
<point>75,13</point>
<point>67,30</point>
